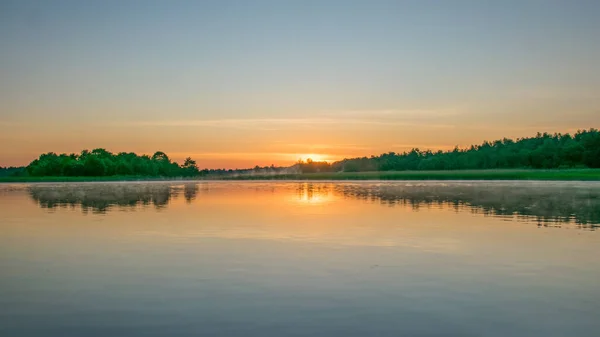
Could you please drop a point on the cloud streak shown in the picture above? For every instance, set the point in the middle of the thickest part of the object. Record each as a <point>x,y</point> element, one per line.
<point>278,123</point>
<point>277,156</point>
<point>397,113</point>
<point>7,123</point>
<point>382,117</point>
<point>326,146</point>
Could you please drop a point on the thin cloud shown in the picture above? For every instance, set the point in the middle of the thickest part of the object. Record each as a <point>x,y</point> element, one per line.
<point>237,155</point>
<point>328,146</point>
<point>403,113</point>
<point>384,117</point>
<point>277,123</point>
<point>289,156</point>
<point>423,147</point>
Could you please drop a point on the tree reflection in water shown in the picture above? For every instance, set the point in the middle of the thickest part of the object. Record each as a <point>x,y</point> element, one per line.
<point>550,204</point>
<point>100,198</point>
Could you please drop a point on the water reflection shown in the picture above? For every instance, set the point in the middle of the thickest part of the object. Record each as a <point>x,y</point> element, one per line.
<point>314,193</point>
<point>550,204</point>
<point>190,191</point>
<point>100,198</point>
<point>298,259</point>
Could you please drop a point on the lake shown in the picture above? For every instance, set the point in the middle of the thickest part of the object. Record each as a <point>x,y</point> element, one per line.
<point>300,259</point>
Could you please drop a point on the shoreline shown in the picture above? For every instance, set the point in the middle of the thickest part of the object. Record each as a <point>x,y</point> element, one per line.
<point>474,175</point>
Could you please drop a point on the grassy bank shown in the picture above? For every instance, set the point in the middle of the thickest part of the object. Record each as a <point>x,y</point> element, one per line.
<point>83,179</point>
<point>508,174</point>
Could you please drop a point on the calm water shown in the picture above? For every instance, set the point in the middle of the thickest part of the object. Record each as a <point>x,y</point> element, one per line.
<point>300,259</point>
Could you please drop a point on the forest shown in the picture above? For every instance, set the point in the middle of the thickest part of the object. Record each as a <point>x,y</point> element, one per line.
<point>100,162</point>
<point>10,171</point>
<point>543,151</point>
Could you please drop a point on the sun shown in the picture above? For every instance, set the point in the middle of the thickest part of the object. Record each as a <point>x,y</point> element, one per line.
<point>313,157</point>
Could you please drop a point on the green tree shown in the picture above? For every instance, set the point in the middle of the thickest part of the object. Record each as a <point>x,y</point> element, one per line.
<point>189,167</point>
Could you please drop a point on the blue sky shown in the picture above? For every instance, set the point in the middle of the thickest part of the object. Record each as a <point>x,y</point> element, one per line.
<point>238,82</point>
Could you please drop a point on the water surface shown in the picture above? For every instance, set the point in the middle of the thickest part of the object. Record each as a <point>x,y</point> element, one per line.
<point>300,259</point>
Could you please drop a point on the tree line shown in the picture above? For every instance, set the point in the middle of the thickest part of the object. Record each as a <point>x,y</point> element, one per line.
<point>544,151</point>
<point>10,171</point>
<point>100,162</point>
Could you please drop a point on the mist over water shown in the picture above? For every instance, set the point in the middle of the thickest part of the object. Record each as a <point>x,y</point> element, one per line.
<point>548,203</point>
<point>300,259</point>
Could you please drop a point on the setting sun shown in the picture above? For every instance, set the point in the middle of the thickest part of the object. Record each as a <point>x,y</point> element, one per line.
<point>314,157</point>
<point>299,168</point>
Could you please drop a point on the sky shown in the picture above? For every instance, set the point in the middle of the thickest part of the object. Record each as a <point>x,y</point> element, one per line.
<point>235,84</point>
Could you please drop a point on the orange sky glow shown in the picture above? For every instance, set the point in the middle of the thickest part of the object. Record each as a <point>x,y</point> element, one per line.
<point>264,83</point>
